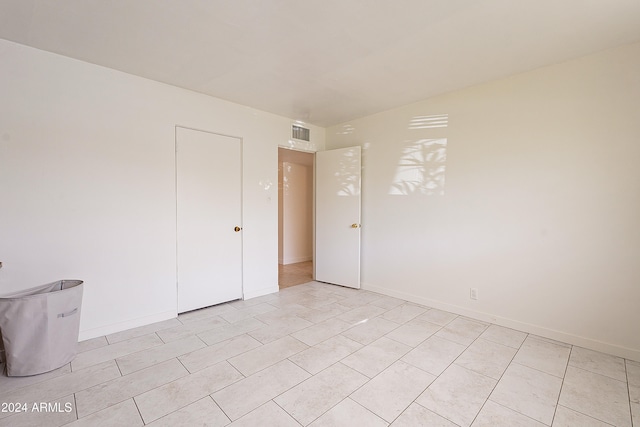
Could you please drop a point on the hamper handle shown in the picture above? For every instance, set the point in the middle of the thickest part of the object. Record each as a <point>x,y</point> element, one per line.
<point>72,312</point>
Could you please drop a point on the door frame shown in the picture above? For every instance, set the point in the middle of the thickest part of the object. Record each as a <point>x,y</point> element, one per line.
<point>313,204</point>
<point>313,209</point>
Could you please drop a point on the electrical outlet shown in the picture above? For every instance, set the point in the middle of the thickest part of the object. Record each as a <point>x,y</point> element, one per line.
<point>473,294</point>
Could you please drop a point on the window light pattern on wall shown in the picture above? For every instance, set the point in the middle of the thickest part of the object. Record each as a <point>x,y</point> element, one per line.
<point>348,174</point>
<point>422,165</point>
<point>429,122</point>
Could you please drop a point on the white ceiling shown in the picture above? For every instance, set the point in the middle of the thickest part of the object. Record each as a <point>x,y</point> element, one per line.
<point>321,61</point>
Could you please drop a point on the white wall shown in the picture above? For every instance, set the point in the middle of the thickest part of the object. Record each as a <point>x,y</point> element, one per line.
<point>540,205</point>
<point>297,226</point>
<point>88,184</point>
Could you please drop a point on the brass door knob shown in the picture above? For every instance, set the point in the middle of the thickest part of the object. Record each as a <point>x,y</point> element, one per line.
<point>236,228</point>
<point>355,225</point>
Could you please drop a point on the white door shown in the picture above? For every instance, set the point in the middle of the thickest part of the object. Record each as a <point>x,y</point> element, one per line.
<point>337,255</point>
<point>209,218</point>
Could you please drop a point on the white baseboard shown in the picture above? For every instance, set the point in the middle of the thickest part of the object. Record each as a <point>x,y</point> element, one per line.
<point>261,292</point>
<point>296,260</point>
<point>128,324</point>
<point>627,353</point>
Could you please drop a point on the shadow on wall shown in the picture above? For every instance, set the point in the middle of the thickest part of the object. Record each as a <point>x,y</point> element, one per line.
<point>348,175</point>
<point>422,165</point>
<point>421,169</point>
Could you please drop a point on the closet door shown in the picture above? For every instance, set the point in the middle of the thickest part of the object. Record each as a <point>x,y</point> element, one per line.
<point>209,218</point>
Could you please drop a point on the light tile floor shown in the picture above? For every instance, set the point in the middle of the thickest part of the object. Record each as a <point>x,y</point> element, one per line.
<point>323,355</point>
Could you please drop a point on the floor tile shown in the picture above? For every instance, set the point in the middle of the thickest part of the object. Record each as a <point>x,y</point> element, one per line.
<point>597,396</point>
<point>315,301</point>
<point>321,331</point>
<point>347,292</point>
<point>268,414</point>
<point>348,414</point>
<point>370,330</point>
<point>633,373</point>
<point>282,315</point>
<point>376,357</point>
<point>419,416</point>
<point>248,394</point>
<point>269,354</point>
<point>64,384</point>
<point>113,351</point>
<point>361,314</point>
<point>191,328</point>
<point>528,391</point>
<point>461,330</point>
<point>111,392</point>
<point>146,358</point>
<point>434,355</point>
<point>277,330</point>
<point>247,312</point>
<point>203,413</point>
<point>290,296</point>
<point>122,414</point>
<point>544,356</point>
<point>504,336</point>
<point>92,344</point>
<point>414,332</point>
<point>359,299</point>
<point>55,412</point>
<point>486,358</point>
<point>317,315</point>
<point>458,394</point>
<point>549,340</point>
<point>633,378</point>
<point>438,317</point>
<point>142,330</point>
<point>390,393</point>
<point>325,354</point>
<point>227,331</point>
<point>495,415</point>
<point>598,363</point>
<point>208,356</point>
<point>566,417</point>
<point>387,302</point>
<point>9,384</point>
<point>315,396</point>
<point>403,313</point>
<point>175,395</point>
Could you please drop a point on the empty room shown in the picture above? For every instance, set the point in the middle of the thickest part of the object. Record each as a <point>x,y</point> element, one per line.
<point>324,213</point>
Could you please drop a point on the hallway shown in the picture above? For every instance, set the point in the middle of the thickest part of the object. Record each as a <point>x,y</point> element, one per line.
<point>295,274</point>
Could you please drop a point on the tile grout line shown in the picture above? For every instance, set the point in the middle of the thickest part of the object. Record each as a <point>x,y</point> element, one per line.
<point>138,409</point>
<point>498,380</point>
<point>626,374</point>
<point>562,387</point>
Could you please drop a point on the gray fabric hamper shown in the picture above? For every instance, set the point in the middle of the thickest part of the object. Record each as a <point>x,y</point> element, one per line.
<point>39,327</point>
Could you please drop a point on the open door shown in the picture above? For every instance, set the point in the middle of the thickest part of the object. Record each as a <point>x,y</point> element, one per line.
<point>337,234</point>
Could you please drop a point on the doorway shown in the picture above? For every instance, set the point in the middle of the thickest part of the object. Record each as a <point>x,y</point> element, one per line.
<point>295,217</point>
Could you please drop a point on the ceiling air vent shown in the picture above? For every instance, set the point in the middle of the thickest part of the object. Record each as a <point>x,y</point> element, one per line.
<point>298,132</point>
